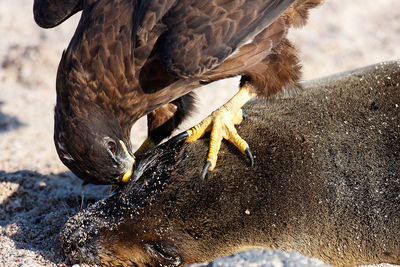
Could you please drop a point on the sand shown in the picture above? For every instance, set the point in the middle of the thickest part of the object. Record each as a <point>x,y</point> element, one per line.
<point>37,193</point>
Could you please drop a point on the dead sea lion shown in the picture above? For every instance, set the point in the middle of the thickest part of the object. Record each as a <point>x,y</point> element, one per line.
<point>325,183</point>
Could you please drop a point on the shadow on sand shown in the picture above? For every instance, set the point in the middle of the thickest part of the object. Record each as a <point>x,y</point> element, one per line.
<point>34,207</point>
<point>7,122</point>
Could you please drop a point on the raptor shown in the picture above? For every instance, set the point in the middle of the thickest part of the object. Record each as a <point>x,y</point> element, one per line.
<point>135,58</point>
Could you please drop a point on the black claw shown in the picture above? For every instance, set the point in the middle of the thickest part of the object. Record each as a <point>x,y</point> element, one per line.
<point>244,114</point>
<point>181,136</point>
<point>205,170</point>
<point>250,156</point>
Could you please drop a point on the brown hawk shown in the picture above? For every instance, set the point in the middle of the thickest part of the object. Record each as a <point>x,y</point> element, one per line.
<point>134,58</point>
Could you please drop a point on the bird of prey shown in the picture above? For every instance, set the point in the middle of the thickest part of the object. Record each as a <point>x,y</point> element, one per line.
<point>134,58</point>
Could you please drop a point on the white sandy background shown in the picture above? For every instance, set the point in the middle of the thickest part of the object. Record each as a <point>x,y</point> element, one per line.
<point>340,35</point>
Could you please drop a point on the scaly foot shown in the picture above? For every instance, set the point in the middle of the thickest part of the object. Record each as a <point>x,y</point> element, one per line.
<point>222,125</point>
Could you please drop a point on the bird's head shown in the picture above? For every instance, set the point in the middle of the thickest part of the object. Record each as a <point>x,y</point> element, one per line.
<point>94,147</point>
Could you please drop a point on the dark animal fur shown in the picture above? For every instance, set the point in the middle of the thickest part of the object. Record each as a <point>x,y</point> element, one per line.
<point>325,183</point>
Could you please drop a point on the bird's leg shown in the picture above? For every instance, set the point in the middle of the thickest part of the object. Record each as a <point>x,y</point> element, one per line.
<point>222,125</point>
<point>164,120</point>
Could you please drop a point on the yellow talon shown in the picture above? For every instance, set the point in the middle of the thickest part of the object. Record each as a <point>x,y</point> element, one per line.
<point>221,123</point>
<point>238,117</point>
<point>197,131</point>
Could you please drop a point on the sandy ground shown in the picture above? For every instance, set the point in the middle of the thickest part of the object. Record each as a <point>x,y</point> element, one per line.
<point>37,192</point>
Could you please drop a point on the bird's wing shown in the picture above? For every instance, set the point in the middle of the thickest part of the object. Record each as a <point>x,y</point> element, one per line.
<point>50,13</point>
<point>202,34</point>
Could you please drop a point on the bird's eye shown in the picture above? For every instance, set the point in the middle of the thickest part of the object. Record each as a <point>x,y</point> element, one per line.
<point>112,146</point>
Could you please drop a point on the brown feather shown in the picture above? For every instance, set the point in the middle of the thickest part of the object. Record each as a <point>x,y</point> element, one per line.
<point>129,58</point>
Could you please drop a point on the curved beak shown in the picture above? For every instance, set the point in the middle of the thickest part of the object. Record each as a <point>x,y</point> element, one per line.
<point>127,175</point>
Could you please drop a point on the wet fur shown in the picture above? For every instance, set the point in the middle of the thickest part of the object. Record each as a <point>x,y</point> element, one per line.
<point>325,183</point>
